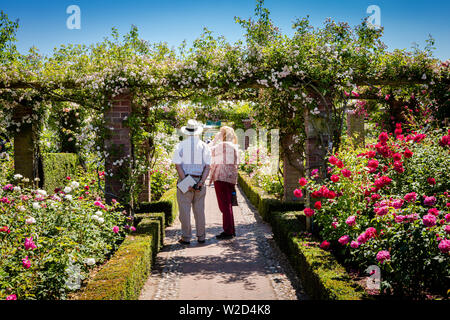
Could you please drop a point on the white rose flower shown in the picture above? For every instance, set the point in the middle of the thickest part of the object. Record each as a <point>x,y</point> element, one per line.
<point>68,197</point>
<point>75,185</point>
<point>18,176</point>
<point>67,190</point>
<point>30,220</point>
<point>100,220</point>
<point>89,261</point>
<point>42,192</point>
<point>36,205</point>
<point>21,208</point>
<point>99,213</point>
<point>17,188</point>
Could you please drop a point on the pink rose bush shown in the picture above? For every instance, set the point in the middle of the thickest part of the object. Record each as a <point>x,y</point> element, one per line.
<point>42,234</point>
<point>380,207</point>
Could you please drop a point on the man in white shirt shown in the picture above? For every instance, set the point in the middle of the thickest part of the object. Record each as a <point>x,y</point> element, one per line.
<point>192,157</point>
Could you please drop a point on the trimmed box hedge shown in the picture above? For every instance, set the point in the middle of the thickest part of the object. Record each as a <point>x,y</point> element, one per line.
<point>167,204</point>
<point>323,278</point>
<point>264,202</point>
<point>56,167</point>
<point>124,275</point>
<point>160,217</point>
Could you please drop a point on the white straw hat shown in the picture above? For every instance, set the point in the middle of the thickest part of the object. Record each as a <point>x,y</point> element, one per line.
<point>192,128</point>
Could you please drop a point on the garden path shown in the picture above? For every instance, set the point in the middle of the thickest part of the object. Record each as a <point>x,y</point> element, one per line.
<point>247,267</point>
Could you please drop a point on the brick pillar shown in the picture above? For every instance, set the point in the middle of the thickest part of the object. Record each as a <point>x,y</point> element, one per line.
<point>117,144</point>
<point>317,142</point>
<point>293,169</point>
<point>247,125</point>
<point>355,127</point>
<point>25,146</point>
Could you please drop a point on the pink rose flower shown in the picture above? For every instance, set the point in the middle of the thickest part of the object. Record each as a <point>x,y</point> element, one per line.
<point>335,178</point>
<point>116,229</point>
<point>298,193</point>
<point>29,244</point>
<point>447,229</point>
<point>444,246</point>
<point>303,182</point>
<point>344,240</point>
<point>433,211</point>
<point>26,263</point>
<point>383,256</point>
<point>351,221</point>
<point>309,212</point>
<point>429,220</point>
<point>429,201</point>
<point>11,297</point>
<point>410,197</point>
<point>354,244</point>
<point>346,173</point>
<point>325,245</point>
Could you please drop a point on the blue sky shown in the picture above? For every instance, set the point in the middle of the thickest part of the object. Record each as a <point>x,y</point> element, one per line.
<point>43,23</point>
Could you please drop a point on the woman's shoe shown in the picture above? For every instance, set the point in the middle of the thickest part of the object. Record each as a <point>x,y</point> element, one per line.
<point>183,242</point>
<point>224,235</point>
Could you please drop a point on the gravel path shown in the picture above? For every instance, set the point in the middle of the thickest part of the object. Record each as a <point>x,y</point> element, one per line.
<point>247,267</point>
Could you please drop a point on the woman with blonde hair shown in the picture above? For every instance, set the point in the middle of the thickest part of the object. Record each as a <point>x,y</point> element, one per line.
<point>224,172</point>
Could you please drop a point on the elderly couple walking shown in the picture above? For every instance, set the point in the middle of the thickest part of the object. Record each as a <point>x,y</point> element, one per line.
<point>195,158</point>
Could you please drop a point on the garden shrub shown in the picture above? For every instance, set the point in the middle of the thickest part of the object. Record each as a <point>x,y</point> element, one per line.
<point>47,240</point>
<point>56,167</point>
<point>159,216</point>
<point>388,205</point>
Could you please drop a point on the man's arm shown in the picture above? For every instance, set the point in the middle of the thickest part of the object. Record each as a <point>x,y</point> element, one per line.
<point>180,171</point>
<point>205,174</point>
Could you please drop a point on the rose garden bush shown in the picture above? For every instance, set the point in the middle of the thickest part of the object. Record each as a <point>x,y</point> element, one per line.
<point>50,242</point>
<point>388,205</point>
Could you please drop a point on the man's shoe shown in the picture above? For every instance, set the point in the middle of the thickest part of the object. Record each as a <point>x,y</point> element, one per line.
<point>223,235</point>
<point>201,241</point>
<point>183,242</point>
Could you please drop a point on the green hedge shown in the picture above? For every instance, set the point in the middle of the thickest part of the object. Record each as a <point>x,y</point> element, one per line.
<point>323,278</point>
<point>167,204</point>
<point>124,275</point>
<point>264,202</point>
<point>160,217</point>
<point>56,167</point>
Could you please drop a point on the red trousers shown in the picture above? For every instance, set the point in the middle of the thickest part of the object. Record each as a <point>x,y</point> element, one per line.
<point>223,193</point>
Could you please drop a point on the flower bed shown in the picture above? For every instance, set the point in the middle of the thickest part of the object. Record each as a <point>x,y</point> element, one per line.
<point>322,276</point>
<point>388,206</point>
<point>48,243</point>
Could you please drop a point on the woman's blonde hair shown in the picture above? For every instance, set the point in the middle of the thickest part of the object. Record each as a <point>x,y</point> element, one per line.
<point>228,134</point>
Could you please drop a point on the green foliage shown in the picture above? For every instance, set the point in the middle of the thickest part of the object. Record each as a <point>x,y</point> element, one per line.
<point>56,167</point>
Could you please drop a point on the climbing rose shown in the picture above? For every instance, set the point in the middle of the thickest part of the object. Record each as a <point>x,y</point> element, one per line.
<point>325,245</point>
<point>26,263</point>
<point>318,205</point>
<point>29,244</point>
<point>298,193</point>
<point>116,229</point>
<point>433,211</point>
<point>302,182</point>
<point>373,164</point>
<point>431,181</point>
<point>309,212</point>
<point>335,178</point>
<point>410,197</point>
<point>429,201</point>
<point>397,156</point>
<point>447,217</point>
<point>351,221</point>
<point>429,220</point>
<point>11,297</point>
<point>344,239</point>
<point>444,246</point>
<point>346,173</point>
<point>383,256</point>
<point>340,164</point>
